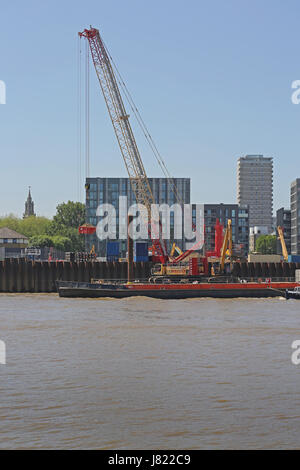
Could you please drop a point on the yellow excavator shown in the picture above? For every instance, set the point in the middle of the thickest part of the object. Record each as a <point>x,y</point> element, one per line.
<point>227,245</point>
<point>283,245</point>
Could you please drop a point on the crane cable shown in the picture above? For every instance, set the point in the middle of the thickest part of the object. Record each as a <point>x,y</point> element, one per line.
<point>145,131</point>
<point>148,136</point>
<point>87,112</point>
<point>83,104</point>
<point>79,120</point>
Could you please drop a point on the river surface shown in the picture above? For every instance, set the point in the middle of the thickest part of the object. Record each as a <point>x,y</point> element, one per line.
<point>148,374</point>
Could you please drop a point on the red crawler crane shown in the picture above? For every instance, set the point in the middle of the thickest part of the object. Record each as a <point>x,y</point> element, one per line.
<point>120,120</point>
<point>125,137</point>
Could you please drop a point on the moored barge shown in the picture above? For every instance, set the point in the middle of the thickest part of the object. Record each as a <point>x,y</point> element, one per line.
<point>174,290</point>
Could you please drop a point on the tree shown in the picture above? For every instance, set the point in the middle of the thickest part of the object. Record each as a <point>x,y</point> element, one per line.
<point>10,221</point>
<point>29,226</point>
<point>62,243</point>
<point>266,244</point>
<point>61,232</point>
<point>69,216</point>
<point>40,241</point>
<point>57,241</point>
<point>32,225</point>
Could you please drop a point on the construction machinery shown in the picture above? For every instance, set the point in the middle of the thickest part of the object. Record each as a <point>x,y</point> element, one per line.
<point>93,252</point>
<point>123,131</point>
<point>170,270</point>
<point>175,248</point>
<point>191,270</point>
<point>216,253</point>
<point>169,266</point>
<point>226,246</point>
<point>127,143</point>
<point>283,244</point>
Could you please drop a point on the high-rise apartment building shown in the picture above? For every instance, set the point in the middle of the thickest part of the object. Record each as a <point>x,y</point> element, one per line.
<point>255,188</point>
<point>108,190</point>
<point>295,217</point>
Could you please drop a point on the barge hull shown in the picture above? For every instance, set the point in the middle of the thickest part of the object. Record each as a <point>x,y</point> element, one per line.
<point>228,291</point>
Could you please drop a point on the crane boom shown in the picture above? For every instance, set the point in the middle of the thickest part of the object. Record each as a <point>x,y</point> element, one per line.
<point>283,245</point>
<point>120,120</point>
<point>227,244</point>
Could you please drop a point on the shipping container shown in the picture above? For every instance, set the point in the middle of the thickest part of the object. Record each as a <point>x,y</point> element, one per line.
<point>141,259</point>
<point>111,258</point>
<point>141,252</point>
<point>294,259</point>
<point>112,249</point>
<point>141,248</point>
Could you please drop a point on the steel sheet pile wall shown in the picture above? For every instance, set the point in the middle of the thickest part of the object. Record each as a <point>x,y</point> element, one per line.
<point>284,271</point>
<point>18,275</point>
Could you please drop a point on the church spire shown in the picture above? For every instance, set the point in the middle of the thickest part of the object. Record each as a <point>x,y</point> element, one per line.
<point>29,206</point>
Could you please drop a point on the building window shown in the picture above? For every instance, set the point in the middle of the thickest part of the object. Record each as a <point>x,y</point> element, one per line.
<point>92,195</point>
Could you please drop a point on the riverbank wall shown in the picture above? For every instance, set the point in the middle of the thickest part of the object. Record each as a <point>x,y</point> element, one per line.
<point>19,275</point>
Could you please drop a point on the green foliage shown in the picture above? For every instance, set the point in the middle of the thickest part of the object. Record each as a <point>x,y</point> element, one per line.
<point>266,244</point>
<point>29,227</point>
<point>62,243</point>
<point>40,241</point>
<point>10,221</point>
<point>76,240</point>
<point>68,218</point>
<point>61,232</point>
<point>58,242</point>
<point>70,214</point>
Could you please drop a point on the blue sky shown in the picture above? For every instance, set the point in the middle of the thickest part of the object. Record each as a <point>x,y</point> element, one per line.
<point>211,79</point>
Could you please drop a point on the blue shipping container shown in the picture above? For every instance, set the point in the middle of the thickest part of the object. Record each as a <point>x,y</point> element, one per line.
<point>141,248</point>
<point>140,259</point>
<point>294,259</point>
<point>111,258</point>
<point>141,252</point>
<point>112,249</point>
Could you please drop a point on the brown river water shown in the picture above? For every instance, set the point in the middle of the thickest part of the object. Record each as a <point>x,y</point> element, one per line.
<point>148,374</point>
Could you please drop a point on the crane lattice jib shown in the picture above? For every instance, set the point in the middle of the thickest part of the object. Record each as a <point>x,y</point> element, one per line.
<point>120,120</point>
